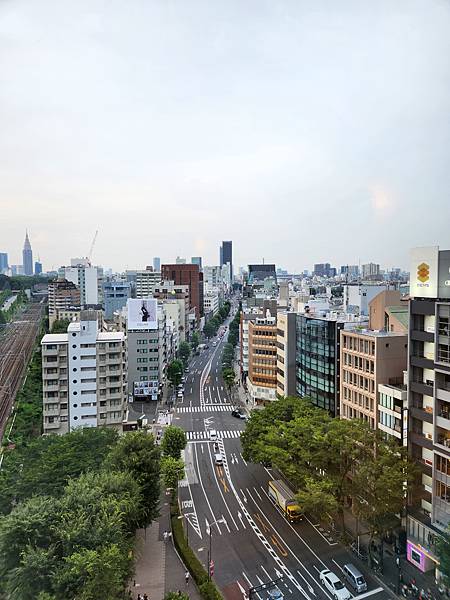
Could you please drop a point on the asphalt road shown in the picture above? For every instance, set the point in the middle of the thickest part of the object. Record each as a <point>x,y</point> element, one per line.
<point>254,544</point>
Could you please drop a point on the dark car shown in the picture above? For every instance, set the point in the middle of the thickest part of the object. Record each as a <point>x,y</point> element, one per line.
<point>236,412</point>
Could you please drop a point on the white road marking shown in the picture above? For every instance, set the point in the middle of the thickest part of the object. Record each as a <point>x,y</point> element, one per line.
<point>204,491</point>
<point>371,593</point>
<point>320,533</point>
<point>241,519</point>
<point>201,448</point>
<point>245,463</point>
<point>257,493</point>
<point>220,490</point>
<point>310,588</point>
<point>251,584</point>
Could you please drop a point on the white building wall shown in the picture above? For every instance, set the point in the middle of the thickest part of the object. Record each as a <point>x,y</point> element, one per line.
<point>82,394</point>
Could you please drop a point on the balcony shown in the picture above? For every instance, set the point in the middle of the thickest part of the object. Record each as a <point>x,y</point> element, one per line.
<point>422,361</point>
<point>422,414</point>
<point>421,388</point>
<point>421,440</point>
<point>443,420</point>
<point>422,336</point>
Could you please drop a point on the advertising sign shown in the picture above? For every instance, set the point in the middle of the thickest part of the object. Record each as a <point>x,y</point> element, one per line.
<point>142,314</point>
<point>147,390</point>
<point>424,272</point>
<point>444,274</point>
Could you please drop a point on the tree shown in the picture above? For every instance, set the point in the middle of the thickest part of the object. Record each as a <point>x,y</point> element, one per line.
<point>173,442</point>
<point>184,351</point>
<point>136,453</point>
<point>60,326</point>
<point>209,330</point>
<point>176,596</point>
<point>195,340</point>
<point>229,378</point>
<point>175,372</point>
<point>172,470</point>
<point>317,498</point>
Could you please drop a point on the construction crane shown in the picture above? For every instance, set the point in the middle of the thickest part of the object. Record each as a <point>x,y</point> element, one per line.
<point>92,246</point>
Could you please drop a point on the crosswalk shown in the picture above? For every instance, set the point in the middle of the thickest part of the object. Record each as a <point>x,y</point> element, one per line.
<point>203,435</point>
<point>205,408</point>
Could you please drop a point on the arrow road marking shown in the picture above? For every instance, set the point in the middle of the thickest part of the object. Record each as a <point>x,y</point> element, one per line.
<point>310,588</point>
<point>241,519</point>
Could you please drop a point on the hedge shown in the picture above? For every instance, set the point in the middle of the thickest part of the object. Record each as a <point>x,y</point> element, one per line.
<point>208,589</point>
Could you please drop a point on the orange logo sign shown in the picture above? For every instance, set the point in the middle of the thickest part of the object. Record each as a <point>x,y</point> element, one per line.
<point>423,272</point>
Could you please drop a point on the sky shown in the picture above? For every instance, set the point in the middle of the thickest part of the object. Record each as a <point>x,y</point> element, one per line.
<point>303,131</point>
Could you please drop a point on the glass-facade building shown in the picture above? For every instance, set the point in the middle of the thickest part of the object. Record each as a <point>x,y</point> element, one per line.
<point>317,361</point>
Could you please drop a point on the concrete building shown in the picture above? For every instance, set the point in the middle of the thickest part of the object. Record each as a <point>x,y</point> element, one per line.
<point>115,296</point>
<point>358,296</point>
<point>324,270</point>
<point>146,281</point>
<point>37,267</point>
<point>156,264</point>
<point>184,274</point>
<point>3,262</point>
<point>226,257</point>
<point>197,260</point>
<point>393,412</point>
<point>286,338</point>
<point>388,312</point>
<point>27,255</point>
<point>429,402</point>
<point>212,276</point>
<point>251,308</point>
<point>371,271</point>
<point>84,377</point>
<point>262,359</point>
<point>179,294</point>
<point>368,358</point>
<point>85,277</point>
<point>350,271</point>
<point>62,295</point>
<point>258,273</point>
<point>210,304</point>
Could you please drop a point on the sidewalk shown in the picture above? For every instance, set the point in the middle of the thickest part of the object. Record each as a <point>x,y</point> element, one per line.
<point>158,567</point>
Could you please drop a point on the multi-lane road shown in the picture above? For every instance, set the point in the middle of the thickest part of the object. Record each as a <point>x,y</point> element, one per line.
<point>251,542</point>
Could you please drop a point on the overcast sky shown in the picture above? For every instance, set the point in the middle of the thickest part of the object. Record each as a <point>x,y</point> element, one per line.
<point>305,131</point>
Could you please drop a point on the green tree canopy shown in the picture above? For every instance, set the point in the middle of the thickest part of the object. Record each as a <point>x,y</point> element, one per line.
<point>172,470</point>
<point>175,372</point>
<point>195,340</point>
<point>173,442</point>
<point>184,351</point>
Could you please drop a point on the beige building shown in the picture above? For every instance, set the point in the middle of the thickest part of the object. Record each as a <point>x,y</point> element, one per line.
<point>84,377</point>
<point>389,312</point>
<point>146,282</point>
<point>368,358</point>
<point>262,359</point>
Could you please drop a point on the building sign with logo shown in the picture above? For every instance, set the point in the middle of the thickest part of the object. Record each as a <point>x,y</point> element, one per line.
<point>145,390</point>
<point>142,314</point>
<point>444,274</point>
<point>424,272</point>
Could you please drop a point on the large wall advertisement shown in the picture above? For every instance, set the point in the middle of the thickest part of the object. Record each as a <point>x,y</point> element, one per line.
<point>424,272</point>
<point>142,314</point>
<point>444,274</point>
<point>146,389</point>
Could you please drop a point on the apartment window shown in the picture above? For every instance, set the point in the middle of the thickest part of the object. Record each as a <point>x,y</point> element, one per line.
<point>102,416</point>
<point>51,346</point>
<point>115,414</point>
<point>85,392</point>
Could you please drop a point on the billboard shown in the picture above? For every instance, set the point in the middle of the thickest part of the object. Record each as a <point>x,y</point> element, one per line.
<point>142,314</point>
<point>424,272</point>
<point>444,274</point>
<point>146,389</point>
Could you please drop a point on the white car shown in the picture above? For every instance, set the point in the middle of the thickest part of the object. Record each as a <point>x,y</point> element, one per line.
<point>218,459</point>
<point>213,435</point>
<point>334,585</point>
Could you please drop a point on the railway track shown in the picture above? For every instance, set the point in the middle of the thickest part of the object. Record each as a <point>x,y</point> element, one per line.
<point>16,345</point>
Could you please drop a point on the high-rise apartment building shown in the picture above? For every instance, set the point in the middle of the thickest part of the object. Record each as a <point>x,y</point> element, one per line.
<point>84,374</point>
<point>27,255</point>
<point>286,337</point>
<point>262,359</point>
<point>62,296</point>
<point>429,402</point>
<point>197,260</point>
<point>184,274</point>
<point>146,282</point>
<point>3,262</point>
<point>167,291</point>
<point>371,271</point>
<point>368,358</point>
<point>156,264</point>
<point>37,267</point>
<point>86,278</point>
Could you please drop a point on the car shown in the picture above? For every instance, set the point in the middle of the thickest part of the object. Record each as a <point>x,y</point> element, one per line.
<point>183,380</point>
<point>214,343</point>
<point>218,459</point>
<point>275,593</point>
<point>334,585</point>
<point>213,435</point>
<point>206,347</point>
<point>186,370</point>
<point>237,412</point>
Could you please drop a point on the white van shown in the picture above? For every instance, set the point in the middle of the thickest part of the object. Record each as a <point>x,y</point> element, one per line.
<point>355,578</point>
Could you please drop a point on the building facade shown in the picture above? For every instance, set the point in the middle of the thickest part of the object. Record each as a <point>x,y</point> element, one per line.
<point>146,281</point>
<point>368,358</point>
<point>4,265</point>
<point>190,275</point>
<point>262,359</point>
<point>84,375</point>
<point>27,256</point>
<point>62,296</point>
<point>286,338</point>
<point>115,296</point>
<point>429,402</point>
<point>226,256</point>
<point>86,278</point>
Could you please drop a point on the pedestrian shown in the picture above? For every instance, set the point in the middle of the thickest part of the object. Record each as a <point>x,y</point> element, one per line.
<point>145,597</point>
<point>165,536</point>
<point>186,577</point>
<point>139,597</point>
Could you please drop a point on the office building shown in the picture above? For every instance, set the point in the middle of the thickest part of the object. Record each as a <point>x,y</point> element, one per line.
<point>27,255</point>
<point>286,337</point>
<point>358,296</point>
<point>115,296</point>
<point>212,276</point>
<point>168,292</point>
<point>262,359</point>
<point>368,358</point>
<point>257,274</point>
<point>350,271</point>
<point>146,282</point>
<point>251,308</point>
<point>318,359</point>
<point>429,402</point>
<point>156,264</point>
<point>62,295</point>
<point>84,377</point>
<point>226,256</point>
<point>37,267</point>
<point>371,271</point>
<point>3,262</point>
<point>388,311</point>
<point>184,274</point>
<point>197,260</point>
<point>324,270</point>
<point>85,277</point>
<point>393,412</point>
<point>210,303</point>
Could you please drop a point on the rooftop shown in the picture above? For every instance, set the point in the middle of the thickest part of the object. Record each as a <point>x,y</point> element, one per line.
<point>374,332</point>
<point>54,338</point>
<point>400,313</point>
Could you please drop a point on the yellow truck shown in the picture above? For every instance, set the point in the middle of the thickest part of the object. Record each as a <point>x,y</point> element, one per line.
<point>284,500</point>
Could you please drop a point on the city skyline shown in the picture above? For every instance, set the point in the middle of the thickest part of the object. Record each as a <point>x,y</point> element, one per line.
<point>290,133</point>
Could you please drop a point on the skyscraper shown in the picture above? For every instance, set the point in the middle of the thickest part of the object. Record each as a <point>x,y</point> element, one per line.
<point>197,260</point>
<point>27,257</point>
<point>37,267</point>
<point>3,262</point>
<point>226,256</point>
<point>156,263</point>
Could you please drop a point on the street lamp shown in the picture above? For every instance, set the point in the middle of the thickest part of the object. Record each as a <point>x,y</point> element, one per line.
<point>222,520</point>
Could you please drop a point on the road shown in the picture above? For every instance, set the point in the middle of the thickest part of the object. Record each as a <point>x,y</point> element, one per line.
<point>255,544</point>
